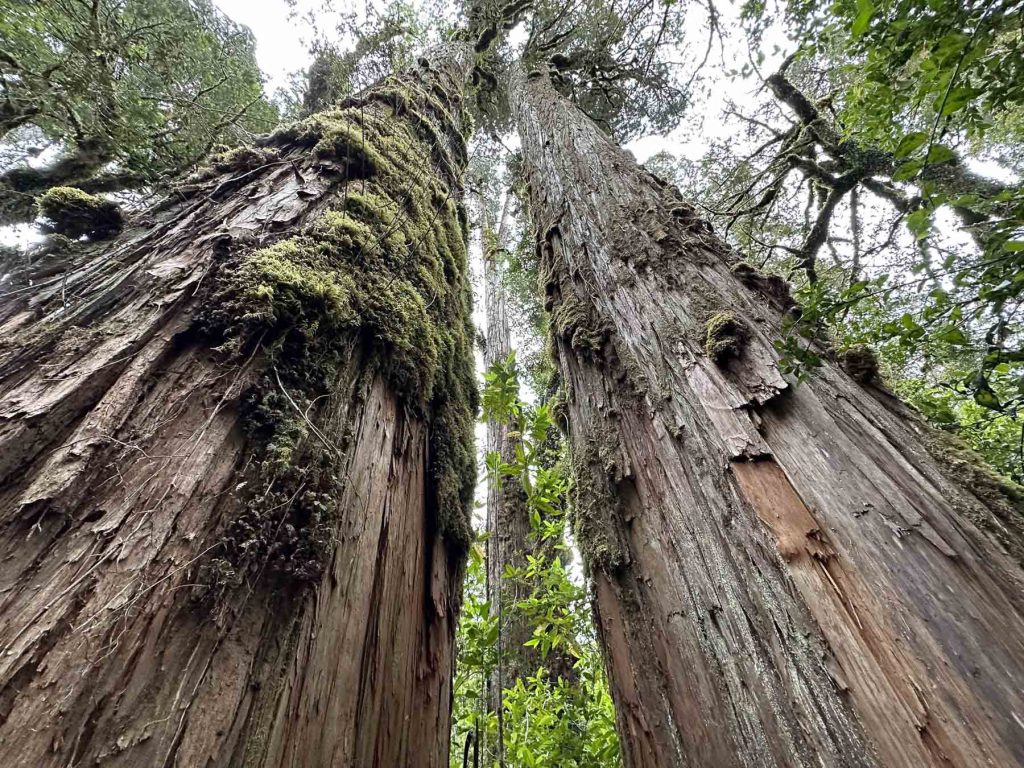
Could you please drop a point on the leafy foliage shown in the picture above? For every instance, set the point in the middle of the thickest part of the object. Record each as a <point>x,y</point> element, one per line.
<point>122,93</point>
<point>857,176</point>
<point>355,49</point>
<point>561,715</point>
<point>630,65</point>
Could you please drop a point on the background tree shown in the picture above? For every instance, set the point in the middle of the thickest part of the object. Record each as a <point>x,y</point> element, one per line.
<point>112,95</point>
<point>508,523</point>
<point>527,631</point>
<point>559,711</point>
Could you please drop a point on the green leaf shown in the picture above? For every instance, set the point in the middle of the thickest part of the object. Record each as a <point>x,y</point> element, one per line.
<point>908,170</point>
<point>920,223</point>
<point>1013,245</point>
<point>865,10</point>
<point>951,335</point>
<point>938,153</point>
<point>986,398</point>
<point>910,324</point>
<point>909,143</point>
<point>957,99</point>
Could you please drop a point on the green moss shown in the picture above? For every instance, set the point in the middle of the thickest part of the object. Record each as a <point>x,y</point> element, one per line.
<point>1001,508</point>
<point>239,159</point>
<point>724,336</point>
<point>380,276</point>
<point>558,404</point>
<point>596,501</point>
<point>574,319</point>
<point>73,213</point>
<point>349,136</point>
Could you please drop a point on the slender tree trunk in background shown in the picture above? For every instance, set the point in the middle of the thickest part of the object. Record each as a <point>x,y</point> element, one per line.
<point>784,575</point>
<point>249,555</point>
<point>508,521</point>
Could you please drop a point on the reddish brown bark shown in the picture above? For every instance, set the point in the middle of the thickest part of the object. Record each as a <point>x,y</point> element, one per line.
<point>784,575</point>
<point>126,466</point>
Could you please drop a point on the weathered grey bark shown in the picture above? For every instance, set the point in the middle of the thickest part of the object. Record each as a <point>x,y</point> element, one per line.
<point>783,575</point>
<point>155,611</point>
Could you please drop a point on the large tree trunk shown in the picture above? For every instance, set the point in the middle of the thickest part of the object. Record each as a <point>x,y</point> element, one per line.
<point>249,554</point>
<point>784,575</point>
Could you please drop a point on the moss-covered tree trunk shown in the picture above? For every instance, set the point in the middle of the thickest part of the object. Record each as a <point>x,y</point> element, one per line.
<point>236,458</point>
<point>784,575</point>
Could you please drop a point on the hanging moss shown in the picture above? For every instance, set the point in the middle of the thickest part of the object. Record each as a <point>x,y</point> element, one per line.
<point>381,275</point>
<point>724,337</point>
<point>73,213</point>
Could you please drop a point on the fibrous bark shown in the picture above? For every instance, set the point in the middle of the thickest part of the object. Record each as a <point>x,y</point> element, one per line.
<point>236,457</point>
<point>783,575</point>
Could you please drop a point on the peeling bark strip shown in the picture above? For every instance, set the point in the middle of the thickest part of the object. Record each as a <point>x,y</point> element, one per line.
<point>250,555</point>
<point>782,576</point>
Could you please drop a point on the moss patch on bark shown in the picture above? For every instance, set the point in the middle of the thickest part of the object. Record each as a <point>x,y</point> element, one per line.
<point>381,274</point>
<point>1001,508</point>
<point>724,336</point>
<point>70,212</point>
<point>595,504</point>
<point>860,362</point>
<point>239,159</point>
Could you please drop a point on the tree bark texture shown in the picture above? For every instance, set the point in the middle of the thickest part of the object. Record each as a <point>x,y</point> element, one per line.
<point>233,503</point>
<point>783,575</point>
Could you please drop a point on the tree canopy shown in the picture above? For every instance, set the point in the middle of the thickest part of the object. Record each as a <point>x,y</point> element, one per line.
<point>108,95</point>
<point>879,168</point>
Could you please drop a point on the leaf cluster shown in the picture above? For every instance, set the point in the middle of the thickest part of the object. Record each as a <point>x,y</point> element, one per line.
<point>561,715</point>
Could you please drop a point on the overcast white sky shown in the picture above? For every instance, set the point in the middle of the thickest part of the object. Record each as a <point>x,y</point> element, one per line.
<point>282,39</point>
